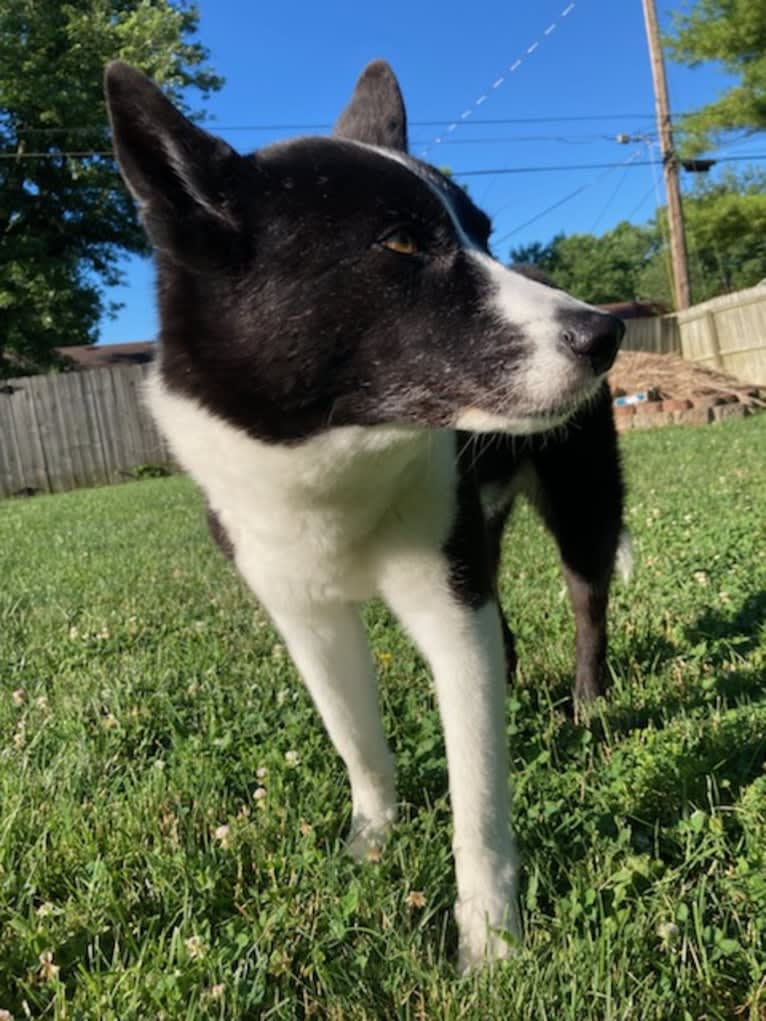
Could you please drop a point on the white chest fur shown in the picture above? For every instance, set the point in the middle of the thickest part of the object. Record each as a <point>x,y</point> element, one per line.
<point>315,521</point>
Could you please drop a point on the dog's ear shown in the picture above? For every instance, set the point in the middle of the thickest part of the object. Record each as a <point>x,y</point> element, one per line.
<point>183,179</point>
<point>376,113</point>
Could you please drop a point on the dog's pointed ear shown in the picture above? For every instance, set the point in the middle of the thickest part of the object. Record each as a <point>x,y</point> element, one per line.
<point>183,179</point>
<point>376,113</point>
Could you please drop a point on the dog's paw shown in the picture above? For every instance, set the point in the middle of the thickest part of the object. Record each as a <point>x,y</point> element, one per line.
<point>487,910</point>
<point>368,835</point>
<point>485,936</point>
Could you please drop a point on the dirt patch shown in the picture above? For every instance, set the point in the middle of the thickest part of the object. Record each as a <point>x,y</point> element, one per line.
<point>669,377</point>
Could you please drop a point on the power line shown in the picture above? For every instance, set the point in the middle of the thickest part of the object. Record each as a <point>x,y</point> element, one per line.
<point>500,79</point>
<point>85,154</point>
<point>617,187</point>
<point>540,215</point>
<point>479,172</point>
<point>475,122</point>
<point>567,198</point>
<point>581,139</point>
<point>504,139</point>
<point>639,205</point>
<point>589,166</point>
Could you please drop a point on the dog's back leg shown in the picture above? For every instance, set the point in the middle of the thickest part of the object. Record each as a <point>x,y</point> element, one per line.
<point>495,528</point>
<point>329,647</point>
<point>579,494</point>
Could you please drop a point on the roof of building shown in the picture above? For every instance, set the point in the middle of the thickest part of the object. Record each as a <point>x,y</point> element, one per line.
<point>635,309</point>
<point>101,356</point>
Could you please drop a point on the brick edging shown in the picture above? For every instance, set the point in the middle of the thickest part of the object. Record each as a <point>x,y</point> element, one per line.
<point>696,411</point>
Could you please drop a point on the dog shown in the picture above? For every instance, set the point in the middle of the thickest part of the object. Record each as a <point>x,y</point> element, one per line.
<point>334,336</point>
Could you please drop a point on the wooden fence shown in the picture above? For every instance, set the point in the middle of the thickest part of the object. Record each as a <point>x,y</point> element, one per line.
<point>728,333</point>
<point>658,334</point>
<point>75,429</point>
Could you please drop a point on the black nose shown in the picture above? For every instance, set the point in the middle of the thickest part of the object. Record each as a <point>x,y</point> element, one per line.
<point>595,336</point>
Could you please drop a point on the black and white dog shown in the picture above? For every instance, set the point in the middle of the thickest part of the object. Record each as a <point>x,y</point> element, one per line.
<point>333,330</point>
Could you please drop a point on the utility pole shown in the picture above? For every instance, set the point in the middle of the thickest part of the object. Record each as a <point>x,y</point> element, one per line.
<point>669,160</point>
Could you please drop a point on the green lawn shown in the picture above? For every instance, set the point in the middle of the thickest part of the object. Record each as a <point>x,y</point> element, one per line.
<point>164,855</point>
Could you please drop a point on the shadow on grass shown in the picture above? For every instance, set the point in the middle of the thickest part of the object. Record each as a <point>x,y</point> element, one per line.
<point>743,627</point>
<point>726,637</point>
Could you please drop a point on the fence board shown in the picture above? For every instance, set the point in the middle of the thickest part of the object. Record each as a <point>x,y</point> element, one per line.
<point>22,442</point>
<point>47,401</point>
<point>129,411</point>
<point>153,440</point>
<point>86,435</point>
<point>10,461</point>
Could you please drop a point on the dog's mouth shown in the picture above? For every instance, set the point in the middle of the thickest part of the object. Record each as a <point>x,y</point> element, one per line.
<point>525,418</point>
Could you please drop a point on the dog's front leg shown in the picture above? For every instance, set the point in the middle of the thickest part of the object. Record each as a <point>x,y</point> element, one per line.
<point>464,646</point>
<point>329,647</point>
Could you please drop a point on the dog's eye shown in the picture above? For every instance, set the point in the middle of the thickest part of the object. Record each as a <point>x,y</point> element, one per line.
<point>401,241</point>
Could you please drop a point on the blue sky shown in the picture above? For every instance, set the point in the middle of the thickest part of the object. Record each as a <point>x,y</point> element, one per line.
<point>585,81</point>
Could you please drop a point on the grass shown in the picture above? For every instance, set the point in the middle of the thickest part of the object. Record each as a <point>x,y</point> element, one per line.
<point>163,855</point>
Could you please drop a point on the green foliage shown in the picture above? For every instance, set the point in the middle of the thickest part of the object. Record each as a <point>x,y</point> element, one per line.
<point>726,234</point>
<point>145,699</point>
<point>733,33</point>
<point>66,221</point>
<point>726,240</point>
<point>597,269</point>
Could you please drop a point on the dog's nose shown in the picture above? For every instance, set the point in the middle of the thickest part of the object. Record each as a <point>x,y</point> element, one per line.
<point>595,336</point>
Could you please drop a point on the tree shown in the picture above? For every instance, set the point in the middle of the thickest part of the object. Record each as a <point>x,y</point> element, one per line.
<point>726,233</point>
<point>66,220</point>
<point>726,238</point>
<point>545,257</point>
<point>597,269</point>
<point>732,32</point>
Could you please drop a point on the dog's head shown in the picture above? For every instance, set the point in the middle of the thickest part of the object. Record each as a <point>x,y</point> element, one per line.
<point>339,281</point>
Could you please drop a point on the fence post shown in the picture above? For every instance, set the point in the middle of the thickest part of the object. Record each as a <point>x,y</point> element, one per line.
<point>714,339</point>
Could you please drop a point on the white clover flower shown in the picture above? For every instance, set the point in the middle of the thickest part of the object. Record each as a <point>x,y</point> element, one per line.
<point>49,971</point>
<point>195,947</point>
<point>223,835</point>
<point>668,933</point>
